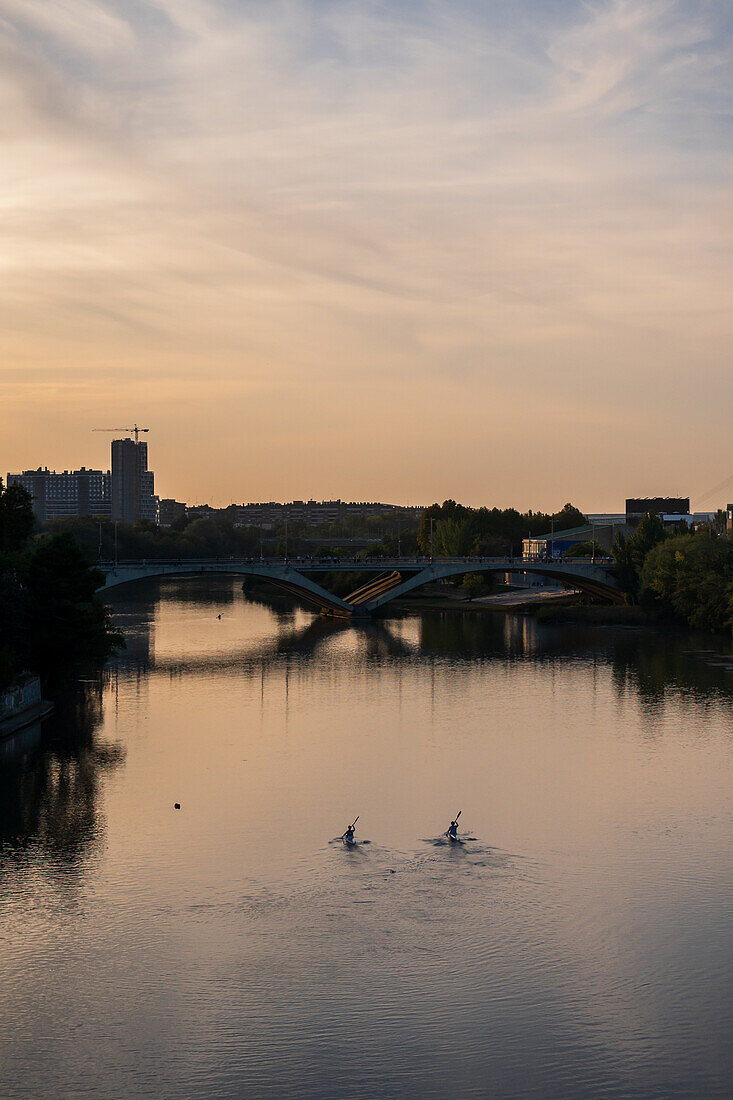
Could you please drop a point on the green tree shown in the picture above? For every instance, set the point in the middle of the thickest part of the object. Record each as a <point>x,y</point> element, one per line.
<point>473,585</point>
<point>630,553</point>
<point>691,577</point>
<point>487,530</point>
<point>585,550</point>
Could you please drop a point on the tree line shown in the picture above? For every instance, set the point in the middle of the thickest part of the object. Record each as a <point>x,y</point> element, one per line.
<point>459,531</point>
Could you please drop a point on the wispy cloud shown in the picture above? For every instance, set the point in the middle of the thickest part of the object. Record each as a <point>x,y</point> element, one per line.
<point>317,207</point>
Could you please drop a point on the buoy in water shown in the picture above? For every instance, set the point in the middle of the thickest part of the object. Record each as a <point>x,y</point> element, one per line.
<point>176,805</point>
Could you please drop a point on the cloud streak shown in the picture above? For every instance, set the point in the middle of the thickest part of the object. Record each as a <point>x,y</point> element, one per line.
<point>329,216</point>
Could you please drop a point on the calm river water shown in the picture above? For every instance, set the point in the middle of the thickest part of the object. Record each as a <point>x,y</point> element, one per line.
<point>578,944</point>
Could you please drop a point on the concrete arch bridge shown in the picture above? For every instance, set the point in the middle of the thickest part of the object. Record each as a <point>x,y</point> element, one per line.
<point>392,578</point>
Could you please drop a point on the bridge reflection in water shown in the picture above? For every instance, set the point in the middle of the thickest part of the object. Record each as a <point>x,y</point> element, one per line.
<point>392,578</point>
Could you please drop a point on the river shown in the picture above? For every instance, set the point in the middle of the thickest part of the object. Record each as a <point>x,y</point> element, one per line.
<point>579,943</point>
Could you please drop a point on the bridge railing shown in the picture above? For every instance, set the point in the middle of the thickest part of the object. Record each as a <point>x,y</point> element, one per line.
<point>512,563</point>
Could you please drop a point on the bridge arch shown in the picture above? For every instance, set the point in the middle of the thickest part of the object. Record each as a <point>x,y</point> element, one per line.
<point>600,586</point>
<point>392,578</point>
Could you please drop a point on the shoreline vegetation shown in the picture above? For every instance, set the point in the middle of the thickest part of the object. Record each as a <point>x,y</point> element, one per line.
<point>51,621</point>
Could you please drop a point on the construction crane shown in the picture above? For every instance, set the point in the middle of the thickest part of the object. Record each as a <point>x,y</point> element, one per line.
<point>134,430</point>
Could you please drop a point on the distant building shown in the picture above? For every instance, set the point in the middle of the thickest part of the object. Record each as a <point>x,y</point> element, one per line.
<point>636,507</point>
<point>132,483</point>
<point>315,513</point>
<point>169,511</point>
<point>652,505</point>
<point>729,517</point>
<point>553,544</point>
<point>603,519</point>
<point>66,495</point>
<point>205,511</point>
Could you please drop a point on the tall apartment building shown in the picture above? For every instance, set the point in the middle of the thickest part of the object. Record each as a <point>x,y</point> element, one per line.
<point>132,483</point>
<point>66,495</point>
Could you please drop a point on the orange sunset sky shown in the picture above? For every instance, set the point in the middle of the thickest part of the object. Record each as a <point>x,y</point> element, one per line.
<point>395,251</point>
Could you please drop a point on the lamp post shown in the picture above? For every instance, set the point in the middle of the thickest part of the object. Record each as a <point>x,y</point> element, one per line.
<point>431,538</point>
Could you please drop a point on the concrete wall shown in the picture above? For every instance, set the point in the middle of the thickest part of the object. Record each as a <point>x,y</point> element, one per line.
<point>24,693</point>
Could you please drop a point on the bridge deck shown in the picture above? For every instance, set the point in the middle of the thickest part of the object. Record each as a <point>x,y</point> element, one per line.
<point>594,576</point>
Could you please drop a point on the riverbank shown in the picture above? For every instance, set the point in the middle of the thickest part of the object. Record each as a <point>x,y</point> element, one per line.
<point>546,606</point>
<point>509,599</point>
<point>21,705</point>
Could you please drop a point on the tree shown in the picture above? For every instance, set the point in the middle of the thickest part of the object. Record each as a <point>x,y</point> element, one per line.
<point>630,553</point>
<point>568,517</point>
<point>67,624</point>
<point>691,577</point>
<point>588,549</point>
<point>16,518</point>
<point>473,585</point>
<point>487,530</point>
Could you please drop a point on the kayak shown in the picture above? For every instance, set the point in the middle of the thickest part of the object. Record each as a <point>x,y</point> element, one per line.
<point>454,839</point>
<point>349,840</point>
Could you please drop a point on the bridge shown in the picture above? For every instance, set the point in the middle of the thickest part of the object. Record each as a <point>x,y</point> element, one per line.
<point>392,578</point>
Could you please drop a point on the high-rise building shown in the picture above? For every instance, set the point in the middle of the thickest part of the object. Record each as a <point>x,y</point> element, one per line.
<point>132,483</point>
<point>66,495</point>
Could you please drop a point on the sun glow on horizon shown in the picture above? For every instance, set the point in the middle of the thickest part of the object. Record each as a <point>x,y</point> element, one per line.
<point>400,252</point>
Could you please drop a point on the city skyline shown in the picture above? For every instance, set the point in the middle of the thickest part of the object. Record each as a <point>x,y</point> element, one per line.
<point>126,443</point>
<point>401,252</point>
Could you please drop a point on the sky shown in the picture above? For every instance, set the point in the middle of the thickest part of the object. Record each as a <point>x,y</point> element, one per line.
<point>395,251</point>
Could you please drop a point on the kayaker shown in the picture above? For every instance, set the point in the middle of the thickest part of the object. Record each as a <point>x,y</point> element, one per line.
<point>453,830</point>
<point>348,836</point>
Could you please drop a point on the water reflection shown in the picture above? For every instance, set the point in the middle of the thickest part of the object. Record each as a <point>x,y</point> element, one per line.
<point>50,781</point>
<point>647,663</point>
<point>582,936</point>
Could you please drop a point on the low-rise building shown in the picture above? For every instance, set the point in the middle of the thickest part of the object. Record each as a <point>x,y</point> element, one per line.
<point>553,544</point>
<point>66,495</point>
<point>314,513</point>
<point>169,511</point>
